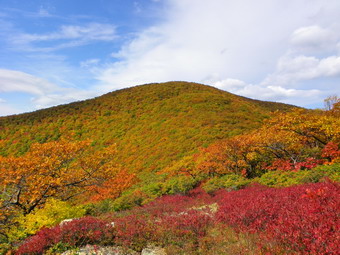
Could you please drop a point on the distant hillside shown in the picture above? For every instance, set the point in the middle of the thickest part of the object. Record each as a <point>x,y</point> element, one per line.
<point>152,124</point>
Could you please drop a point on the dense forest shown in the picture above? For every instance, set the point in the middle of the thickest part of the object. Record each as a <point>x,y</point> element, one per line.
<point>182,166</point>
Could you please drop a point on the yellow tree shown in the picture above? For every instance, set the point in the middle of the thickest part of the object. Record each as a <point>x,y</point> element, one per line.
<point>301,135</point>
<point>315,127</point>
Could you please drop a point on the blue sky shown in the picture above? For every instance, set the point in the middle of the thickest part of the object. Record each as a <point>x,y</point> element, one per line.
<point>56,51</point>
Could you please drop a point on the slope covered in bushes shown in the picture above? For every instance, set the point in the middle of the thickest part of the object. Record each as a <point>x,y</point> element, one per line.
<point>301,219</point>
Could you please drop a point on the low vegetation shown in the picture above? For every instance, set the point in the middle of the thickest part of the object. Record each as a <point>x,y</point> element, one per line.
<point>259,186</point>
<point>302,219</point>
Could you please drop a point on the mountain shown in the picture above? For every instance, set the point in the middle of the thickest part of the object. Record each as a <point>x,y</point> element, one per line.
<point>152,125</point>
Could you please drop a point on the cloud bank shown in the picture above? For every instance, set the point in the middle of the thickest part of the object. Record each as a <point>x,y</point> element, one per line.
<point>286,51</point>
<point>43,93</point>
<point>274,50</point>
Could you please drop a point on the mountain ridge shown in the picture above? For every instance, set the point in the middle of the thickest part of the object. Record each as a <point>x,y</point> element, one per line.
<point>115,92</point>
<point>152,124</point>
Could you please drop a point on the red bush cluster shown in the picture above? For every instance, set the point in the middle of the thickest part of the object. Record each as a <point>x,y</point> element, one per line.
<point>288,165</point>
<point>167,220</point>
<point>303,218</point>
<point>78,232</point>
<point>177,203</point>
<point>38,243</point>
<point>331,151</point>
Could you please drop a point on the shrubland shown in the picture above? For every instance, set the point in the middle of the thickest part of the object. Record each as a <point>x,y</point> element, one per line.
<point>302,219</point>
<point>195,171</point>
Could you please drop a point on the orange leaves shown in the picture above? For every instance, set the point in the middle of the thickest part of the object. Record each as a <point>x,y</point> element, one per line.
<point>318,127</point>
<point>239,155</point>
<point>236,155</point>
<point>331,152</point>
<point>60,170</point>
<point>289,141</point>
<point>113,187</point>
<point>55,169</point>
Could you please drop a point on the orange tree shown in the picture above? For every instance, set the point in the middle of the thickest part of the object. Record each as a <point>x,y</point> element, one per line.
<point>60,170</point>
<point>294,140</point>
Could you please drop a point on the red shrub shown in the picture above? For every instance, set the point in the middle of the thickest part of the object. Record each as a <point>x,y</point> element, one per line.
<point>170,219</point>
<point>309,163</point>
<point>331,151</point>
<point>281,164</point>
<point>134,231</point>
<point>177,203</point>
<point>192,221</point>
<point>167,204</point>
<point>87,230</point>
<point>303,218</point>
<point>288,165</point>
<point>36,244</point>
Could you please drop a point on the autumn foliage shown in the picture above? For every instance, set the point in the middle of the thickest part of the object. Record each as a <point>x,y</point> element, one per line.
<point>87,230</point>
<point>301,219</point>
<point>152,125</point>
<point>61,170</point>
<point>153,150</point>
<point>301,139</point>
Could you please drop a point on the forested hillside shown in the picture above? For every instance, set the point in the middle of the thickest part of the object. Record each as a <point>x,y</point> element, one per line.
<point>152,125</point>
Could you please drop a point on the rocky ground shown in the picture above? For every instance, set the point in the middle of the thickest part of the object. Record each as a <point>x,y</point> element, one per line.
<point>97,250</point>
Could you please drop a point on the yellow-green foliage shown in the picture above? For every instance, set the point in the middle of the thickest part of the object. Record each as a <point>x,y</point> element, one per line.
<point>153,125</point>
<point>128,200</point>
<point>276,178</point>
<point>283,179</point>
<point>148,192</point>
<point>229,181</point>
<point>289,178</point>
<point>180,184</point>
<point>51,214</point>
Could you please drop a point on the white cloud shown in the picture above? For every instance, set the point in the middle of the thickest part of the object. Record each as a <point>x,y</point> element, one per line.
<point>291,70</point>
<point>16,81</point>
<point>42,92</point>
<point>314,38</point>
<point>268,92</point>
<point>92,31</point>
<point>234,43</point>
<point>278,93</point>
<point>62,97</point>
<point>43,13</point>
<point>231,85</point>
<point>8,110</point>
<point>89,63</point>
<point>67,36</point>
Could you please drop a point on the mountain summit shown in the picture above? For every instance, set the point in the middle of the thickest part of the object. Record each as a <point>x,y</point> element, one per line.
<point>151,124</point>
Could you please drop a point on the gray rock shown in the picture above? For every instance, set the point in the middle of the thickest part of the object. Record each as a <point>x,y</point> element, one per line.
<point>99,250</point>
<point>113,250</point>
<point>153,250</point>
<point>66,221</point>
